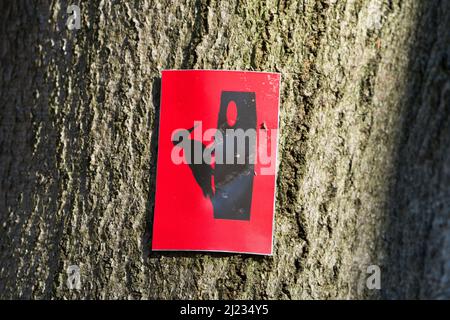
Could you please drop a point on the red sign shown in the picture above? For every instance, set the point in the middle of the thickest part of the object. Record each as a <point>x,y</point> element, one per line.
<point>215,182</point>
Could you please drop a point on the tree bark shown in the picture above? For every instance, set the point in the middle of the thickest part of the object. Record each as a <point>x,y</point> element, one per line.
<point>364,169</point>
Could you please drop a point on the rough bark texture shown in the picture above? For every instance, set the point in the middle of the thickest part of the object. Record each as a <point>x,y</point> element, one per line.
<point>364,174</point>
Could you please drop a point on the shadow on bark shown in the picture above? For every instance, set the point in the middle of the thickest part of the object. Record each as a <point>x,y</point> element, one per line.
<point>29,173</point>
<point>418,200</point>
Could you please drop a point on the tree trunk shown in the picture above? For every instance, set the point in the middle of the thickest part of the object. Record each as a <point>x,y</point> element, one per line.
<point>364,169</point>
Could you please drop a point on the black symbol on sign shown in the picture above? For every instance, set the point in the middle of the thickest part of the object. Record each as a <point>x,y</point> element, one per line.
<point>228,185</point>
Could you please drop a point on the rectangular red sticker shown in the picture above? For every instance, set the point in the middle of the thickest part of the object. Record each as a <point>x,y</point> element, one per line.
<point>217,154</point>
